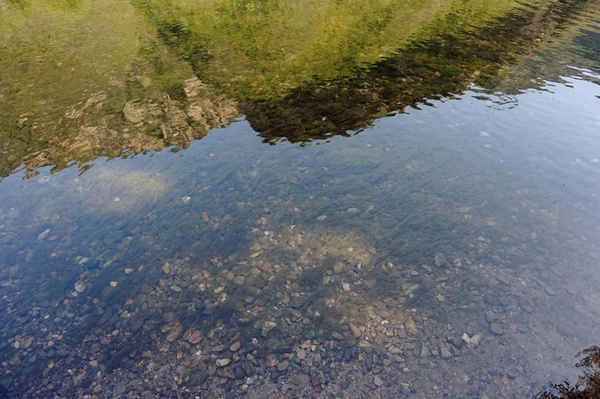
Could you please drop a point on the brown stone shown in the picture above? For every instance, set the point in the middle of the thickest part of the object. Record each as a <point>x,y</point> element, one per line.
<point>301,353</point>
<point>314,380</point>
<point>410,326</point>
<point>355,331</point>
<point>195,337</point>
<point>175,332</point>
<point>235,346</point>
<point>271,360</point>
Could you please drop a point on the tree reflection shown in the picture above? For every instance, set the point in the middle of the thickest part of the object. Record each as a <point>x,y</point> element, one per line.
<point>588,385</point>
<point>442,65</point>
<point>299,74</point>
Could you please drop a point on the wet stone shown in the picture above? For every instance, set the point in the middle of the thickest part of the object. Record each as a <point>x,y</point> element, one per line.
<point>394,350</point>
<point>43,234</point>
<point>297,302</point>
<point>369,363</point>
<point>267,327</point>
<point>440,259</point>
<point>282,366</point>
<point>301,353</point>
<point>527,308</point>
<point>364,345</point>
<point>416,351</point>
<point>239,373</point>
<point>410,326</point>
<point>175,332</point>
<point>314,380</point>
<point>457,342</point>
<point>195,338</point>
<point>198,377</point>
<point>355,331</point>
<point>80,286</point>
<point>348,354</point>
<point>490,316</point>
<point>496,329</point>
<point>271,360</point>
<point>445,353</point>
<point>522,328</point>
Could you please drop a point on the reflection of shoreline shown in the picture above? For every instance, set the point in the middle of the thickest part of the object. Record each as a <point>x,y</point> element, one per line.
<point>442,66</point>
<point>152,126</point>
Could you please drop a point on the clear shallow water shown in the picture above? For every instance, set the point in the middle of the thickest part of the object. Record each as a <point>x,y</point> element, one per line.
<point>206,270</point>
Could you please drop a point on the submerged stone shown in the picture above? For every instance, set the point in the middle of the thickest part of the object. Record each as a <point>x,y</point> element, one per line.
<point>440,259</point>
<point>80,286</point>
<point>267,327</point>
<point>175,332</point>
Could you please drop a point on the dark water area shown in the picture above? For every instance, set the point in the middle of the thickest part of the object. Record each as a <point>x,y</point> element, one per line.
<point>263,199</point>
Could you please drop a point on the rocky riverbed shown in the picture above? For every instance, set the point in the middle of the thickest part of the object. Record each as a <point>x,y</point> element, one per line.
<point>337,321</point>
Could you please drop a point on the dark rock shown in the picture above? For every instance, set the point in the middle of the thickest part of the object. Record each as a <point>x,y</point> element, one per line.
<point>3,343</point>
<point>199,307</point>
<point>277,345</point>
<point>457,342</point>
<point>490,316</point>
<point>522,328</point>
<point>198,377</point>
<point>348,354</point>
<point>239,373</point>
<point>369,362</point>
<point>297,302</point>
<point>5,383</point>
<point>417,351</point>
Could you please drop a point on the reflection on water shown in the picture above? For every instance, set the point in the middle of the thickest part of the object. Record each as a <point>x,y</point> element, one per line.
<point>587,384</point>
<point>449,251</point>
<point>117,81</point>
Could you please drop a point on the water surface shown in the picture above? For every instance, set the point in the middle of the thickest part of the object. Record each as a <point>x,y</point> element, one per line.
<point>256,198</point>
